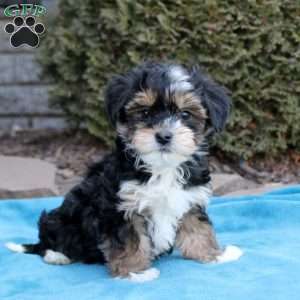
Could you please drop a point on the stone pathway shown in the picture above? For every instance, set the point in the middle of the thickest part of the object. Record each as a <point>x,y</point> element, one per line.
<point>224,183</point>
<point>27,178</point>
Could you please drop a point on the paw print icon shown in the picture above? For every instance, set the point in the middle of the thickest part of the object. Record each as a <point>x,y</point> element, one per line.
<point>24,31</point>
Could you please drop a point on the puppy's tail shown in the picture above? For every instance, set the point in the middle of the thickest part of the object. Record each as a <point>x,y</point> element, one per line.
<point>25,248</point>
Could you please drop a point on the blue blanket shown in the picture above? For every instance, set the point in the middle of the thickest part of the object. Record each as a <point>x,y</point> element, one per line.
<point>266,227</point>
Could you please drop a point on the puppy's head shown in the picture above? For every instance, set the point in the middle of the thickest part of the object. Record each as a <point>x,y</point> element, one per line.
<point>164,111</point>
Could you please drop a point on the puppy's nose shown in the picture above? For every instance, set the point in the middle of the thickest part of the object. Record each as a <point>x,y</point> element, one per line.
<point>163,137</point>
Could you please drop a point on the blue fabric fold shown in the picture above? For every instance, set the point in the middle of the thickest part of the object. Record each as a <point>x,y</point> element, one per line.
<point>266,227</point>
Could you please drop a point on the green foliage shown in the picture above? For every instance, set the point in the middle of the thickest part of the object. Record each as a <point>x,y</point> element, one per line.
<point>252,47</point>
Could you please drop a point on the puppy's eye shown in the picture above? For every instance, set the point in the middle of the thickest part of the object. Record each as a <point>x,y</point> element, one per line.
<point>185,115</point>
<point>145,113</point>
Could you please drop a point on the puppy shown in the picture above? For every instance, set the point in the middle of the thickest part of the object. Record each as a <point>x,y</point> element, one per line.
<point>151,193</point>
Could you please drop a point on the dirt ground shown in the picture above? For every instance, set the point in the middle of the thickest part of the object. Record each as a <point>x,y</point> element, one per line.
<point>72,152</point>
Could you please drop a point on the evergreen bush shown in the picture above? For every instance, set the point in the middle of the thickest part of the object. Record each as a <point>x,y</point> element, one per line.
<point>252,47</point>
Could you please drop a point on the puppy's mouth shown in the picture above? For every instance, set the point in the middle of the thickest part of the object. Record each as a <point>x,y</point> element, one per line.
<point>165,149</point>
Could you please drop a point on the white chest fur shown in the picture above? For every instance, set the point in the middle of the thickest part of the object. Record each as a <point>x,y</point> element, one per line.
<point>163,201</point>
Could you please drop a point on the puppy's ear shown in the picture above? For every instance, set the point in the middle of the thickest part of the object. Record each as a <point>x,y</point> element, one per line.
<point>116,96</point>
<point>215,98</point>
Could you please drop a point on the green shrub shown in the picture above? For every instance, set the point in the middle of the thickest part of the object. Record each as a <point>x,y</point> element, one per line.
<point>252,47</point>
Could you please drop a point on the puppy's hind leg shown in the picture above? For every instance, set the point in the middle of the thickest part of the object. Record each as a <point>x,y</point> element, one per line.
<point>132,258</point>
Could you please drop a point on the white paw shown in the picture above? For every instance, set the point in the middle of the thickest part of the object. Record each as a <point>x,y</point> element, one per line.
<point>56,258</point>
<point>144,276</point>
<point>15,247</point>
<point>230,253</point>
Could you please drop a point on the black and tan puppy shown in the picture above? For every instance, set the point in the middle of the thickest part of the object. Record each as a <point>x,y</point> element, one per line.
<point>151,193</point>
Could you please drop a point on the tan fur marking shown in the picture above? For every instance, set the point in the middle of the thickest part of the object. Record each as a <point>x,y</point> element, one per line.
<point>136,256</point>
<point>189,102</point>
<point>184,139</point>
<point>196,239</point>
<point>144,98</point>
<point>143,139</point>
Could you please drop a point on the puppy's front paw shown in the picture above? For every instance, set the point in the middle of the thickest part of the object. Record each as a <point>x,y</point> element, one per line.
<point>230,253</point>
<point>147,275</point>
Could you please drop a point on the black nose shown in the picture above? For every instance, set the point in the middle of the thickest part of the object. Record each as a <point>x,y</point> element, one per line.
<point>163,137</point>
